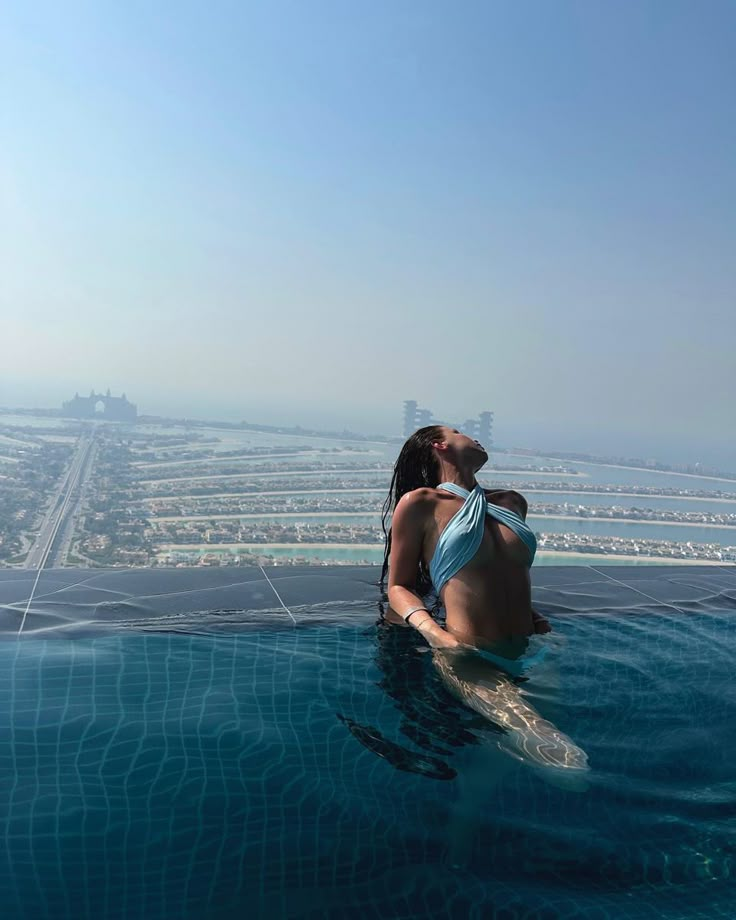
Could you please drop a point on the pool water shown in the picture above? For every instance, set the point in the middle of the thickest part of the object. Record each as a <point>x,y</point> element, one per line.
<point>325,770</point>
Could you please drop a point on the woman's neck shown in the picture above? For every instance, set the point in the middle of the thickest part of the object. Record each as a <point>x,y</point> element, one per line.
<point>463,478</point>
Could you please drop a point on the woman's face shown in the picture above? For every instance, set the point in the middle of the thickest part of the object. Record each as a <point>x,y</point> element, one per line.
<point>463,448</point>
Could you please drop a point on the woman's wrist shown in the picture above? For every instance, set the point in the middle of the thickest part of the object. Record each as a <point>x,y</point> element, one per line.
<point>427,626</point>
<point>439,638</point>
<point>411,611</point>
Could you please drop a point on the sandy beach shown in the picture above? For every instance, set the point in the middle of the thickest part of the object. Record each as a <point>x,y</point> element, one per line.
<point>246,475</point>
<point>242,494</point>
<point>263,548</point>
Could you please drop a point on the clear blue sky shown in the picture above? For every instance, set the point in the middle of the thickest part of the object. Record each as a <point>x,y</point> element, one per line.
<point>311,211</point>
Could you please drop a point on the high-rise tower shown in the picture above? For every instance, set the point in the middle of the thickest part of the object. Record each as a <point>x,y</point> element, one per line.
<point>410,417</point>
<point>485,429</point>
<point>480,427</point>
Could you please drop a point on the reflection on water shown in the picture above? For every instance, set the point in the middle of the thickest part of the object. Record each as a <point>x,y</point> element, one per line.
<point>425,686</point>
<point>429,717</point>
<point>165,774</point>
<point>398,756</point>
<point>499,698</point>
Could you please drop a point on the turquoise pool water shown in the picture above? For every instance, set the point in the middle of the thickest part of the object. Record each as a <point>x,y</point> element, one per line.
<point>324,770</point>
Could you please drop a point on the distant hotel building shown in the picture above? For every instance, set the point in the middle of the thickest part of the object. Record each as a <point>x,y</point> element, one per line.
<point>110,408</point>
<point>480,427</point>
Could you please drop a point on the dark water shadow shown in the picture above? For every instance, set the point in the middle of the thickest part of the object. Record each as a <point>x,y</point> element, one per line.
<point>436,724</point>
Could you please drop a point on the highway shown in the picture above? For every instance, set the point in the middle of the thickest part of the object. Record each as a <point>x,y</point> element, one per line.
<point>56,530</point>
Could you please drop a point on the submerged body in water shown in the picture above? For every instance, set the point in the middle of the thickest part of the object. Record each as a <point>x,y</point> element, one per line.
<point>482,686</point>
<point>475,549</point>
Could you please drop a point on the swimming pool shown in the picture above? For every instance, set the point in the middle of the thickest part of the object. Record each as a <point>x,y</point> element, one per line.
<point>244,743</point>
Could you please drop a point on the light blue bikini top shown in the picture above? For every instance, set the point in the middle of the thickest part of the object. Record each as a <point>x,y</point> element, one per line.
<point>460,539</point>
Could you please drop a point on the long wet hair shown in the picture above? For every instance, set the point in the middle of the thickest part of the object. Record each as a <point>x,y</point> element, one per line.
<point>415,467</point>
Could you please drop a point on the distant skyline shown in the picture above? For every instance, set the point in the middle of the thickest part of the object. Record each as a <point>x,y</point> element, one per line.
<point>311,212</point>
<point>513,434</point>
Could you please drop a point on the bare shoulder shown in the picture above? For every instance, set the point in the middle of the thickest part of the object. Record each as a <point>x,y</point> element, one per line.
<point>415,503</point>
<point>418,497</point>
<point>510,499</point>
<point>408,527</point>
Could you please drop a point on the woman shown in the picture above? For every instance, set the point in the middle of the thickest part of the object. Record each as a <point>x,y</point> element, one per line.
<point>478,566</point>
<point>474,548</point>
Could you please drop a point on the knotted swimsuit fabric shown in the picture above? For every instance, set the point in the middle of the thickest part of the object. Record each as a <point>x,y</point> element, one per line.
<point>462,536</point>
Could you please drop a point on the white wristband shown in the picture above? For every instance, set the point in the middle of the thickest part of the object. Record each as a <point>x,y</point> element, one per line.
<point>405,616</point>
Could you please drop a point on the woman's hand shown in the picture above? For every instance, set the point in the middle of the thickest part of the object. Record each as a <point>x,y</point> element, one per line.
<point>541,624</point>
<point>446,641</point>
<point>438,637</point>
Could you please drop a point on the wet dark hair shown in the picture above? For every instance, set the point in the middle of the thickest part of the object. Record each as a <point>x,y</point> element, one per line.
<point>416,467</point>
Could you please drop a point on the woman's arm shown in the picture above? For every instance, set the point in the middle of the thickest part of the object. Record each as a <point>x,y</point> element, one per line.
<point>407,535</point>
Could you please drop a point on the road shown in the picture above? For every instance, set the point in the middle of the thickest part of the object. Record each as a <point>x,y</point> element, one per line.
<point>55,533</point>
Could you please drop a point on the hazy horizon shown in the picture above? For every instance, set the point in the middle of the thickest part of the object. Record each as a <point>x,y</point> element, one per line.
<point>306,214</point>
<point>507,433</point>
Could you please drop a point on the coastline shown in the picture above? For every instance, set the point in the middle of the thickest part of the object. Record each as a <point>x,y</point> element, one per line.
<point>268,515</point>
<point>298,515</point>
<point>648,560</point>
<point>325,472</point>
<point>241,494</point>
<point>246,475</point>
<point>552,492</point>
<point>264,547</point>
<point>615,520</point>
<point>638,469</point>
<point>488,474</point>
<point>681,498</point>
<point>303,549</point>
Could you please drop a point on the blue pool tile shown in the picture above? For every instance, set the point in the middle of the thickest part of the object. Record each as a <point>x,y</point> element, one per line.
<point>695,589</point>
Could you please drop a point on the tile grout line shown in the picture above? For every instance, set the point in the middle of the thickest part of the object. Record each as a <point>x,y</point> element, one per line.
<point>643,594</point>
<point>277,594</point>
<point>30,601</point>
